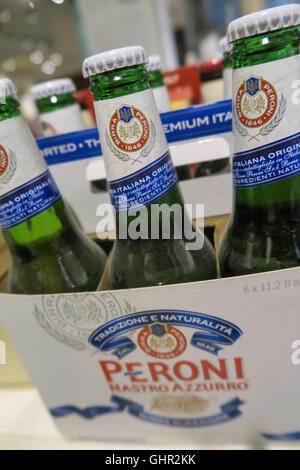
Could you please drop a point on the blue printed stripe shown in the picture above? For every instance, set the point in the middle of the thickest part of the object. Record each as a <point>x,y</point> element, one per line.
<point>188,123</point>
<point>137,205</point>
<point>267,164</point>
<point>28,200</point>
<point>144,186</point>
<point>228,411</point>
<point>267,146</point>
<point>23,187</point>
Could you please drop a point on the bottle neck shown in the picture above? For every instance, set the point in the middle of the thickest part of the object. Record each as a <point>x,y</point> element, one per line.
<point>119,83</point>
<point>31,207</point>
<point>156,79</point>
<point>255,51</point>
<point>9,108</point>
<point>60,114</point>
<point>44,226</point>
<point>55,102</point>
<point>275,45</point>
<point>227,60</point>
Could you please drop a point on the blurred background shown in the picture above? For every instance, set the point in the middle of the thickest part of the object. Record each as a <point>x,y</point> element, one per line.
<point>44,39</point>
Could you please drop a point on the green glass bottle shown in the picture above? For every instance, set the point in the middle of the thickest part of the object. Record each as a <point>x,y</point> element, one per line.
<point>226,48</point>
<point>162,100</point>
<point>211,72</point>
<point>59,113</point>
<point>156,82</point>
<point>58,110</point>
<point>140,172</point>
<point>50,254</point>
<point>264,229</point>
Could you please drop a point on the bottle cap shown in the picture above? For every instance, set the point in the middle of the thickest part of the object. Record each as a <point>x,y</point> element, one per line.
<point>225,45</point>
<point>264,21</point>
<point>52,87</point>
<point>114,59</point>
<point>7,88</point>
<point>154,63</point>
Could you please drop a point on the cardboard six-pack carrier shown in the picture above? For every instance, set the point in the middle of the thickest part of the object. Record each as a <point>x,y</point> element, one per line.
<point>206,361</point>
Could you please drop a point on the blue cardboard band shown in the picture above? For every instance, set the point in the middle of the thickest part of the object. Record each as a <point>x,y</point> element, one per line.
<point>229,411</point>
<point>183,124</point>
<point>198,121</point>
<point>28,200</point>
<point>212,331</point>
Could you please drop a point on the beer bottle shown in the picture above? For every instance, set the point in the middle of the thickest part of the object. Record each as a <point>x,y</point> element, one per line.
<point>225,48</point>
<point>156,82</point>
<point>264,229</point>
<point>140,175</point>
<point>50,254</point>
<point>211,73</point>
<point>57,106</point>
<point>162,100</point>
<point>59,113</point>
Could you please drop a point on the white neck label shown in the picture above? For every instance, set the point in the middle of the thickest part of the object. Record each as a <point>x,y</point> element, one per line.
<point>266,122</point>
<point>137,160</point>
<point>62,121</point>
<point>162,99</point>
<point>26,185</point>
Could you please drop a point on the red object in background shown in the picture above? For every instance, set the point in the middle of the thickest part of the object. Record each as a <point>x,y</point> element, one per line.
<point>181,93</point>
<point>185,82</point>
<point>184,77</point>
<point>211,66</point>
<point>85,99</point>
<point>211,69</point>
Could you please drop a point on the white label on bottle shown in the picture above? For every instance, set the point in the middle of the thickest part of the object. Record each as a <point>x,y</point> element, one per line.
<point>26,185</point>
<point>266,122</point>
<point>162,99</point>
<point>61,121</point>
<point>227,79</point>
<point>137,160</point>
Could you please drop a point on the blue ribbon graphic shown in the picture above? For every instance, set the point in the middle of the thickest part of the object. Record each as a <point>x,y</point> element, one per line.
<point>228,412</point>
<point>289,436</point>
<point>212,333</point>
<point>204,342</point>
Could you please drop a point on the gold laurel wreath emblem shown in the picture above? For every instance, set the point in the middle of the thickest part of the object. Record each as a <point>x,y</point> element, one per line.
<point>257,103</point>
<point>267,128</point>
<point>123,156</point>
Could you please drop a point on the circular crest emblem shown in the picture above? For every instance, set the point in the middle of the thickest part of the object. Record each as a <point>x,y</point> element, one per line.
<point>48,129</point>
<point>129,129</point>
<point>256,102</point>
<point>3,160</point>
<point>162,341</point>
<point>73,318</point>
